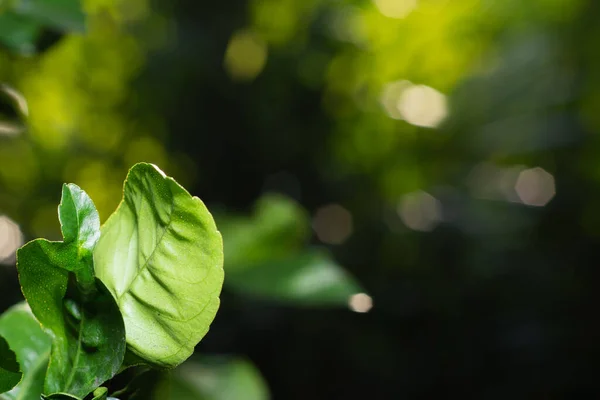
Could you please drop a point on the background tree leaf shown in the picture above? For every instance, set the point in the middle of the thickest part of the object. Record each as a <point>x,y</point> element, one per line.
<point>32,348</point>
<point>63,15</point>
<point>10,373</point>
<point>310,278</point>
<point>266,256</point>
<point>161,256</point>
<point>75,309</point>
<point>216,378</point>
<point>19,33</point>
<point>277,227</point>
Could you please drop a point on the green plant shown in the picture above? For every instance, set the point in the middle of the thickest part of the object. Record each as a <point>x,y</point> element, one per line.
<point>140,290</point>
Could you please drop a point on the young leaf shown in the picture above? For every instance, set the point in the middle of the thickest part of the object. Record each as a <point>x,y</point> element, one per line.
<point>161,256</point>
<point>88,335</point>
<point>80,225</point>
<point>101,393</point>
<point>9,368</point>
<point>32,348</point>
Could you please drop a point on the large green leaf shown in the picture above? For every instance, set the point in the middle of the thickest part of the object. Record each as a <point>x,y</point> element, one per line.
<point>10,373</point>
<point>161,256</point>
<point>32,347</point>
<point>88,335</point>
<point>310,278</point>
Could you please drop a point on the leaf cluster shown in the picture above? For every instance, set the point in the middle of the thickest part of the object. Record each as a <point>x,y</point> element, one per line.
<point>141,289</point>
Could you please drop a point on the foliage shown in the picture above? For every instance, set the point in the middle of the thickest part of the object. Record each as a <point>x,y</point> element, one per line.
<point>23,23</point>
<point>267,256</point>
<point>481,289</point>
<point>156,264</point>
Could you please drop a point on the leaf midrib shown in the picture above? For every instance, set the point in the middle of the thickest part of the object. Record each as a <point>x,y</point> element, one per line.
<point>145,265</point>
<point>77,354</point>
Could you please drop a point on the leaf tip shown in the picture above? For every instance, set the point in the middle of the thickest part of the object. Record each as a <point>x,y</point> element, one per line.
<point>160,171</point>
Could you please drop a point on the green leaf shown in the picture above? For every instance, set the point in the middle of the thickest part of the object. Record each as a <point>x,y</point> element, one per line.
<point>218,378</point>
<point>279,226</point>
<point>80,225</point>
<point>88,335</point>
<point>10,374</point>
<point>32,348</point>
<point>63,15</point>
<point>19,33</point>
<point>80,222</point>
<point>310,278</point>
<point>161,256</point>
<point>101,393</point>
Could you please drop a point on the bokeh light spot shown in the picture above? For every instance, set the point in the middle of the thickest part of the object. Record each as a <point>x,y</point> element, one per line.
<point>332,224</point>
<point>420,211</point>
<point>396,8</point>
<point>11,239</point>
<point>360,302</point>
<point>422,105</point>
<point>391,95</point>
<point>535,187</point>
<point>246,56</point>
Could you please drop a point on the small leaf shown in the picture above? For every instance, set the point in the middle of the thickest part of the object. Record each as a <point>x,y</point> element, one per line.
<point>309,278</point>
<point>74,308</point>
<point>161,256</point>
<point>80,222</point>
<point>80,225</point>
<point>10,374</point>
<point>101,393</point>
<point>32,348</point>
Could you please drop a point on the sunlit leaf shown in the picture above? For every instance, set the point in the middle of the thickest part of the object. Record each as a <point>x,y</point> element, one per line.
<point>32,347</point>
<point>309,278</point>
<point>74,308</point>
<point>161,256</point>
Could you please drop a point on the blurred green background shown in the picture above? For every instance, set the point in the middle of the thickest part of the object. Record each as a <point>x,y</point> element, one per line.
<point>406,188</point>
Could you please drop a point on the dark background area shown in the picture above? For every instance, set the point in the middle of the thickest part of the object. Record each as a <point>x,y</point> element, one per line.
<point>483,285</point>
